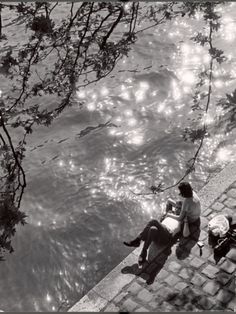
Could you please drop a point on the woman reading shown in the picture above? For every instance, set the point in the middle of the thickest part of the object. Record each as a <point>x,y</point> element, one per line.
<point>163,232</point>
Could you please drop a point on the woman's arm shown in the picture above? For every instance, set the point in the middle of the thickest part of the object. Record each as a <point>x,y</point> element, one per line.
<point>177,217</point>
<point>172,202</point>
<point>182,214</point>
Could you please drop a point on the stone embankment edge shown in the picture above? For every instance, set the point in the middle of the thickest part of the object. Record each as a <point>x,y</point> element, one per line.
<point>99,296</point>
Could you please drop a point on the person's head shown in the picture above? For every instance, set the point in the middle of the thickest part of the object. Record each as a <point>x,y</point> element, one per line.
<point>185,189</point>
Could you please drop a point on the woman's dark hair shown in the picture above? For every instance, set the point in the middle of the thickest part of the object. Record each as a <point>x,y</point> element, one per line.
<point>185,189</point>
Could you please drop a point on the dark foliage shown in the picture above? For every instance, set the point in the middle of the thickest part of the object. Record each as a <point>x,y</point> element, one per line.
<point>228,119</point>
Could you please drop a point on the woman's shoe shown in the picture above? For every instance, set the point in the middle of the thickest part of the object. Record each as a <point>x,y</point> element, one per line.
<point>133,243</point>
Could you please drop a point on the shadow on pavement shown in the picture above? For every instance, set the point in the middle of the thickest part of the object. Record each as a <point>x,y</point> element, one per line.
<point>157,256</point>
<point>191,299</point>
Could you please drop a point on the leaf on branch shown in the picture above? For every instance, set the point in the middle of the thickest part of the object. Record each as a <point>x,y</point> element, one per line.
<point>3,37</point>
<point>228,117</point>
<point>215,26</point>
<point>7,62</point>
<point>190,165</point>
<point>217,54</point>
<point>201,39</point>
<point>194,134</point>
<point>42,24</point>
<point>168,15</point>
<point>156,189</point>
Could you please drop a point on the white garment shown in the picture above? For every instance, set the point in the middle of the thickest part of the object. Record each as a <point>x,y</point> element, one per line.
<point>172,225</point>
<point>219,225</point>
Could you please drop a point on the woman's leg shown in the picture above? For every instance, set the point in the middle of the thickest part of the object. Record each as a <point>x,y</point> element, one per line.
<point>151,235</point>
<point>144,234</point>
<point>154,232</point>
<point>158,233</point>
<point>152,223</point>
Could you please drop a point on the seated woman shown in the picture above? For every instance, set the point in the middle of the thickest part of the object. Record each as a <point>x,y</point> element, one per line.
<point>191,207</point>
<point>163,232</point>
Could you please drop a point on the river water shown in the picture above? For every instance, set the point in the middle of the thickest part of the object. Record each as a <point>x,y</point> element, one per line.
<point>79,196</point>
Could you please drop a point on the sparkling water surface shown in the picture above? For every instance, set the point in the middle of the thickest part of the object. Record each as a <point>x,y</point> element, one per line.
<point>79,197</point>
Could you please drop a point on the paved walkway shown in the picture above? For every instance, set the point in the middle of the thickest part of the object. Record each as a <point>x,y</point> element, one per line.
<point>178,278</point>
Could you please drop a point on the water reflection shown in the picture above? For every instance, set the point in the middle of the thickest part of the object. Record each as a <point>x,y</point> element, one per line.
<point>208,118</point>
<point>48,298</point>
<point>228,28</point>
<point>224,154</point>
<point>86,194</point>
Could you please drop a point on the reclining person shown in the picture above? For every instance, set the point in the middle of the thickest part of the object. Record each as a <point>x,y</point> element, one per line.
<point>163,232</point>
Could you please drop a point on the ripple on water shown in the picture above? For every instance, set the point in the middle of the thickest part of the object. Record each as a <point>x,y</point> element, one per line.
<point>78,197</point>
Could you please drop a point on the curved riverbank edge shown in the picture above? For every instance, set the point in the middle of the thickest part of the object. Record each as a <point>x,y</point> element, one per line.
<point>99,297</point>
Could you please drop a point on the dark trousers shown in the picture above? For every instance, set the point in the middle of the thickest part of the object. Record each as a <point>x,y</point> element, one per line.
<point>156,232</point>
<point>194,228</point>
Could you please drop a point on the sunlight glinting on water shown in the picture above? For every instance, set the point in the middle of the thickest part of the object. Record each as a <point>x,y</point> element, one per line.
<point>81,94</point>
<point>48,298</point>
<point>128,113</point>
<point>198,16</point>
<point>67,166</point>
<point>61,163</point>
<point>228,28</point>
<point>225,154</point>
<point>82,267</point>
<point>135,137</point>
<point>119,191</point>
<point>219,84</point>
<point>141,91</point>
<point>161,106</point>
<point>233,73</point>
<point>208,118</point>
<point>104,91</point>
<point>148,206</point>
<point>125,95</point>
<point>176,90</point>
<point>187,77</point>
<point>36,306</point>
<point>127,7</point>
<point>149,97</point>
